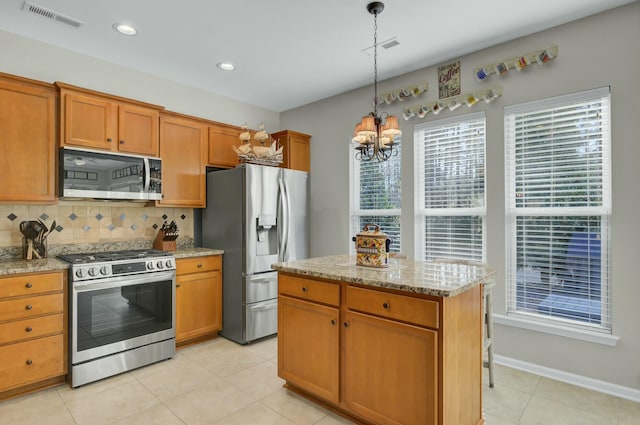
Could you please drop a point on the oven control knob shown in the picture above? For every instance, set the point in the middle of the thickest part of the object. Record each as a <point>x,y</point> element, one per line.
<point>150,265</point>
<point>160,264</point>
<point>80,273</point>
<point>104,270</point>
<point>169,264</point>
<point>93,271</point>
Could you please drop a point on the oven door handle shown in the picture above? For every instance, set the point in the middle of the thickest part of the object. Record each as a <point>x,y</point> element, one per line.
<point>120,281</point>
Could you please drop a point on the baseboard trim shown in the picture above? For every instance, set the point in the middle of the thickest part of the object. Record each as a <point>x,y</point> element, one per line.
<point>570,378</point>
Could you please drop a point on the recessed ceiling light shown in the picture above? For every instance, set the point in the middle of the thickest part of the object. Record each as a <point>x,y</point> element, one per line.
<point>125,29</point>
<point>226,66</point>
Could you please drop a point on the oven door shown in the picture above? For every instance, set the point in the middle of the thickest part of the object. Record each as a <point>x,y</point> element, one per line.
<point>120,313</point>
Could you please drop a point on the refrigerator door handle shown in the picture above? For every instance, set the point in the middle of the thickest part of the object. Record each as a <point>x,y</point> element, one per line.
<point>284,198</point>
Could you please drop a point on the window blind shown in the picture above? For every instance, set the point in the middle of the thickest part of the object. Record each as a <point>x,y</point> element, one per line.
<point>450,188</point>
<point>375,196</point>
<point>558,197</point>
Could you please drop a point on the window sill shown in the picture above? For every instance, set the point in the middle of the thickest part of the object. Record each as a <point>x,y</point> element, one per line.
<point>549,328</point>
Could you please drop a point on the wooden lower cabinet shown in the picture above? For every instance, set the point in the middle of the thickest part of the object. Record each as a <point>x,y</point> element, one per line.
<point>33,348</point>
<point>198,297</point>
<point>390,370</point>
<point>308,346</point>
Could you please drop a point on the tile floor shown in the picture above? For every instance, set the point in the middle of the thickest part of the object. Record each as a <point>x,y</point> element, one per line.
<point>220,382</point>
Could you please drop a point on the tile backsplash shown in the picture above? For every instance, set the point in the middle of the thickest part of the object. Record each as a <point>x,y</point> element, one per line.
<point>81,222</point>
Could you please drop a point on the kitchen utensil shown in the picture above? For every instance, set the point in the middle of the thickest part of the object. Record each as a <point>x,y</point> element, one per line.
<point>53,227</point>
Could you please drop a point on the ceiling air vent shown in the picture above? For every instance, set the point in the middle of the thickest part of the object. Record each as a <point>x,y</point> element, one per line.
<point>387,44</point>
<point>51,15</point>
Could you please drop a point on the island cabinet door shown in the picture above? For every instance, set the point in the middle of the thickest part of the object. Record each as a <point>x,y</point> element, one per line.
<point>308,352</point>
<point>390,371</point>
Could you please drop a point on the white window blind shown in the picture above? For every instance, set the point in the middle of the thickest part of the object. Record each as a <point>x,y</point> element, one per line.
<point>375,196</point>
<point>558,197</point>
<point>450,193</point>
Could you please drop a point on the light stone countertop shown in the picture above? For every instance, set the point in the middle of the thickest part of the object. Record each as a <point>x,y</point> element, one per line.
<point>441,279</point>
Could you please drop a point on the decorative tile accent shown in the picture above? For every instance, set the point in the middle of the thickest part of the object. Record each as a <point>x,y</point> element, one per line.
<point>183,216</point>
<point>44,217</point>
<point>59,228</point>
<point>122,216</point>
<point>155,226</point>
<point>12,216</point>
<point>134,227</point>
<point>86,228</point>
<point>99,216</point>
<point>145,217</point>
<point>164,216</point>
<point>111,227</point>
<point>73,216</point>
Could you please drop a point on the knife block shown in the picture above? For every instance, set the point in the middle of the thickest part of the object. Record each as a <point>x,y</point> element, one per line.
<point>162,244</point>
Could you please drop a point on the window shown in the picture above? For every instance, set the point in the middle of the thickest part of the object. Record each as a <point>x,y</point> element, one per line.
<point>450,196</point>
<point>375,196</point>
<point>558,197</point>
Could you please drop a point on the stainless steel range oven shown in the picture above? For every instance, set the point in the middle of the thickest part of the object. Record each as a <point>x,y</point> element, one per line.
<point>122,312</point>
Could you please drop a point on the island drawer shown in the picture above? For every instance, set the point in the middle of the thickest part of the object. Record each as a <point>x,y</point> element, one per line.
<point>309,289</point>
<point>30,284</point>
<point>22,308</point>
<point>418,311</point>
<point>198,264</point>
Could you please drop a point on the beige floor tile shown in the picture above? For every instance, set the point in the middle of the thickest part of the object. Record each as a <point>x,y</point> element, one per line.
<point>208,404</point>
<point>156,415</point>
<point>229,358</point>
<point>577,397</point>
<point>504,402</point>
<point>294,407</point>
<point>628,412</point>
<point>542,411</point>
<point>493,420</point>
<point>512,378</point>
<point>111,405</point>
<point>69,394</point>
<point>29,407</point>
<point>56,416</point>
<point>258,381</point>
<point>266,348</point>
<point>254,414</point>
<point>333,419</point>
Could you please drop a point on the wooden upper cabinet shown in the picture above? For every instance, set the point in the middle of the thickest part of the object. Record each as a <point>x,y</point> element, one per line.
<point>28,128</point>
<point>183,149</point>
<point>99,121</point>
<point>296,152</point>
<point>221,140</point>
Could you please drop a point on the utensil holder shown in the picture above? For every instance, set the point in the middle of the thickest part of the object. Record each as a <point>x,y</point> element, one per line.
<point>33,250</point>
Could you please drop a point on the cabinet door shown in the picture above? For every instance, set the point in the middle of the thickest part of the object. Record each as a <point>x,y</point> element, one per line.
<point>198,305</point>
<point>221,140</point>
<point>182,149</point>
<point>298,156</point>
<point>308,351</point>
<point>390,371</point>
<point>138,130</point>
<point>27,125</point>
<point>89,121</point>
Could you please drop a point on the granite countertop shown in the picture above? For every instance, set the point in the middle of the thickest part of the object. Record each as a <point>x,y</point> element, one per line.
<point>442,279</point>
<point>16,266</point>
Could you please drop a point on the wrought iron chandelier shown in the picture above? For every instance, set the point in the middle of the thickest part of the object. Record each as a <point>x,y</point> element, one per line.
<point>375,135</point>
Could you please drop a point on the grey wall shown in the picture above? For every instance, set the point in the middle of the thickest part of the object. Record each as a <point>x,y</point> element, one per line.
<point>598,51</point>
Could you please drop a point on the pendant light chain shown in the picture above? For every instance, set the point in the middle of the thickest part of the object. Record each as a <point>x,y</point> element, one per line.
<point>375,63</point>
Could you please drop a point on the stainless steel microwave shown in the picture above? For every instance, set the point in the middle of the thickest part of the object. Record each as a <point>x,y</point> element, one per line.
<point>107,175</point>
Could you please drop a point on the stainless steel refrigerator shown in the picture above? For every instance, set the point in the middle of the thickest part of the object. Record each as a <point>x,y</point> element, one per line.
<point>259,216</point>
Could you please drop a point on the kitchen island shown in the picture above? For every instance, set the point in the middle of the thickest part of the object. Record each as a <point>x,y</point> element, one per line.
<point>400,345</point>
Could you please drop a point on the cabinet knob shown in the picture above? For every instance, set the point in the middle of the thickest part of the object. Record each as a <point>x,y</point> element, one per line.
<point>109,140</point>
<point>333,322</point>
<point>304,289</point>
<point>28,285</point>
<point>122,142</point>
<point>29,329</point>
<point>346,324</point>
<point>29,362</point>
<point>177,285</point>
<point>385,306</point>
<point>199,265</point>
<point>29,307</point>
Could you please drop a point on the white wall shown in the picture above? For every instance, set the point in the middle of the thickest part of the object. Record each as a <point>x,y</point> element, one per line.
<point>594,52</point>
<point>40,61</point>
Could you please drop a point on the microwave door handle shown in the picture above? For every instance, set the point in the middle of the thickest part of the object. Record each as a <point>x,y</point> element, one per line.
<point>146,176</point>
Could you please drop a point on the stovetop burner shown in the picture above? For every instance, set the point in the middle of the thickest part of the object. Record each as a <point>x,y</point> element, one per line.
<point>101,257</point>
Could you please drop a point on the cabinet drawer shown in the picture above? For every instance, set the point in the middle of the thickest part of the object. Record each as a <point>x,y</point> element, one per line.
<point>28,362</point>
<point>399,307</point>
<point>22,308</point>
<point>30,284</point>
<point>31,328</point>
<point>198,264</point>
<point>308,289</point>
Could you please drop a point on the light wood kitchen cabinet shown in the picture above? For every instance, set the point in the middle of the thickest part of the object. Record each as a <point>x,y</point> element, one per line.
<point>296,152</point>
<point>33,334</point>
<point>98,121</point>
<point>198,297</point>
<point>309,335</point>
<point>221,139</point>
<point>183,148</point>
<point>28,129</point>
